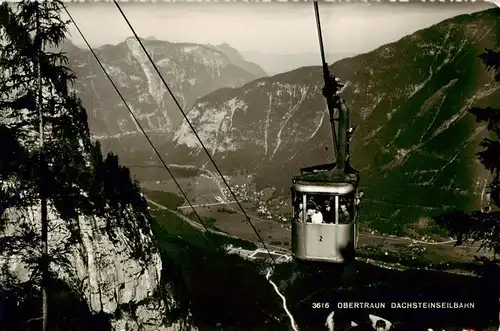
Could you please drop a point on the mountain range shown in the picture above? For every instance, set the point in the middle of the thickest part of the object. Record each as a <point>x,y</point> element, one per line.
<point>239,60</point>
<point>191,70</point>
<point>275,63</point>
<point>414,144</point>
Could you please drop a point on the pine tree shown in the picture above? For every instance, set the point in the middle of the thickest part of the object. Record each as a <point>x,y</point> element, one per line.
<point>484,226</point>
<point>34,94</point>
<point>68,169</point>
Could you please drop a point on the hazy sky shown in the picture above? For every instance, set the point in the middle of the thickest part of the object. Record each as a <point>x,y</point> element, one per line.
<point>271,28</point>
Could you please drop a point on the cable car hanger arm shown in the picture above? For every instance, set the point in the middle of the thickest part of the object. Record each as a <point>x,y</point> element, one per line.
<point>330,90</point>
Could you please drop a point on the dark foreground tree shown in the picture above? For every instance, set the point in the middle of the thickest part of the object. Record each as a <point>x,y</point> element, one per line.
<point>28,98</point>
<point>484,226</point>
<point>67,171</point>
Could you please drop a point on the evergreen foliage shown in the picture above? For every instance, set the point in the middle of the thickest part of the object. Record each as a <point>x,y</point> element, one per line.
<point>20,305</point>
<point>483,226</point>
<point>77,180</point>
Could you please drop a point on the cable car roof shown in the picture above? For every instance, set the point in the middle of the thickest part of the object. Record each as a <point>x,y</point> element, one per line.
<point>317,168</point>
<point>332,188</point>
<point>317,175</point>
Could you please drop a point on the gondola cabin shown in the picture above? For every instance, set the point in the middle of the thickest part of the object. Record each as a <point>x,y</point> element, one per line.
<point>325,207</point>
<point>325,198</point>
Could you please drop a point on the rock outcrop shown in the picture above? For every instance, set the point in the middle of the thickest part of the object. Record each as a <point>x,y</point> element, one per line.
<point>103,269</point>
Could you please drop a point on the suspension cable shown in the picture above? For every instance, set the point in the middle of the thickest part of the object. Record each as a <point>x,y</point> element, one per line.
<point>193,129</point>
<point>140,127</point>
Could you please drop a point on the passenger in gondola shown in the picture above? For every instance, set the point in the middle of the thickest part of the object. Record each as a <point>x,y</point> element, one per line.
<point>328,215</point>
<point>311,203</point>
<point>317,217</point>
<point>311,209</point>
<point>309,214</point>
<point>298,214</point>
<point>345,217</point>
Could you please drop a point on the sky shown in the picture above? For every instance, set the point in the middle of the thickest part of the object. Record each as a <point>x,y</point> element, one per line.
<point>281,28</point>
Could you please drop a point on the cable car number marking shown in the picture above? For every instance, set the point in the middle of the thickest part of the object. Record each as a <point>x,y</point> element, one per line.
<point>321,238</point>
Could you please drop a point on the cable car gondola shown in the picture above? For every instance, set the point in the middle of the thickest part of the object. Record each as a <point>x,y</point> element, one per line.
<point>325,198</point>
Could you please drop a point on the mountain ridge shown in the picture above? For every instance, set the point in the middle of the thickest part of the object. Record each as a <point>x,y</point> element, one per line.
<point>276,63</point>
<point>408,99</point>
<point>191,70</point>
<point>238,59</point>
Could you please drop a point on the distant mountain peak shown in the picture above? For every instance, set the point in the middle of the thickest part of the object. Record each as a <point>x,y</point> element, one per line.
<point>236,58</point>
<point>191,71</point>
<point>275,63</point>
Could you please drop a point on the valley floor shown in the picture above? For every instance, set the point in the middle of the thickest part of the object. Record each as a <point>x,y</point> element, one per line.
<point>230,221</point>
<point>371,280</point>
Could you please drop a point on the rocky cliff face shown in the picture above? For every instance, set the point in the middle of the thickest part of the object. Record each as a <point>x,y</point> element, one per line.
<point>103,269</point>
<point>414,142</point>
<point>191,70</point>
